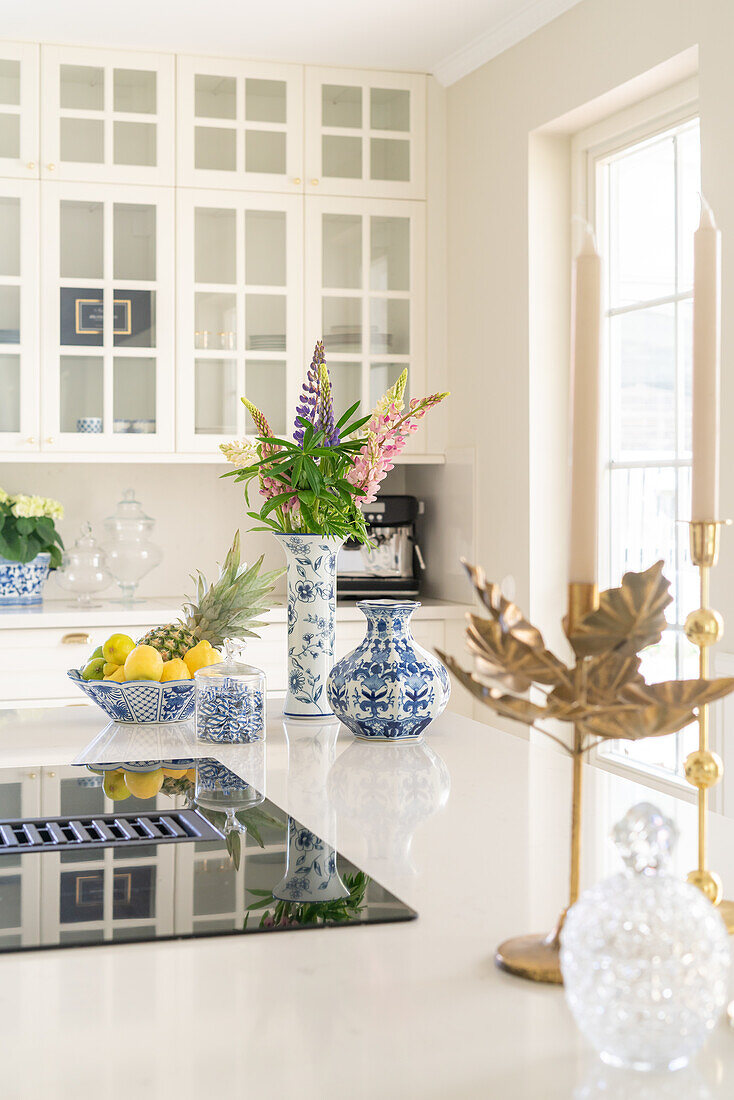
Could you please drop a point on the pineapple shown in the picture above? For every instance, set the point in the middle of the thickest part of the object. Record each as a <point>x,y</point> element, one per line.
<point>226,609</point>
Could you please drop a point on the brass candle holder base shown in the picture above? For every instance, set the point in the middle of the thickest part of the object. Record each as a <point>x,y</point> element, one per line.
<point>537,958</point>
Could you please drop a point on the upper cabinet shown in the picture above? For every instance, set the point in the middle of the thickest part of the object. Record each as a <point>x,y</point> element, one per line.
<point>107,116</point>
<point>365,133</point>
<point>108,344</point>
<point>240,125</point>
<point>19,296</point>
<point>19,110</point>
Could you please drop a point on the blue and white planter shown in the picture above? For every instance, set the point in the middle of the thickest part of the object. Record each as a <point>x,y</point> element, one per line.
<point>311,872</point>
<point>311,569</point>
<point>389,688</point>
<point>21,583</point>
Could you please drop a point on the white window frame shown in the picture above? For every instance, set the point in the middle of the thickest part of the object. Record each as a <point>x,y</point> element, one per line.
<point>590,149</point>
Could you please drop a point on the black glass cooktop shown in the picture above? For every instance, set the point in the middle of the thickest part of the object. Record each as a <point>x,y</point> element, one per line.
<point>124,852</point>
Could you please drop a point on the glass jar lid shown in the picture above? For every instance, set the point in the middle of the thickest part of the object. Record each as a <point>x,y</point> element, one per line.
<point>230,668</point>
<point>129,516</point>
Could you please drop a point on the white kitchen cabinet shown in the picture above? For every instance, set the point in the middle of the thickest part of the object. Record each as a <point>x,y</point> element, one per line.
<point>19,321</point>
<point>240,124</point>
<point>19,129</point>
<point>365,133</point>
<point>107,115</point>
<point>240,313</point>
<point>108,294</point>
<point>365,294</point>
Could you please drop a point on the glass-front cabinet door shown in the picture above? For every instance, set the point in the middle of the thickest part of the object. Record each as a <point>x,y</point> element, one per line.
<point>107,115</point>
<point>240,263</point>
<point>366,295</point>
<point>19,293</point>
<point>108,332</point>
<point>365,133</point>
<point>240,124</point>
<point>19,110</point>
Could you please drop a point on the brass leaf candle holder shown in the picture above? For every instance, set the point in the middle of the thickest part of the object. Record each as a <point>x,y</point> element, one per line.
<point>603,696</point>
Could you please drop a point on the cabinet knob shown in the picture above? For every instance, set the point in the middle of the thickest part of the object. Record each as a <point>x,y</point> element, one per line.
<point>52,775</point>
<point>31,165</point>
<point>297,180</point>
<point>80,638</point>
<point>314,183</point>
<point>51,167</point>
<point>49,439</point>
<point>31,439</point>
<point>32,775</point>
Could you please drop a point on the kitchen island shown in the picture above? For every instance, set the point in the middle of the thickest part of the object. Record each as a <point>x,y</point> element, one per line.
<point>471,830</point>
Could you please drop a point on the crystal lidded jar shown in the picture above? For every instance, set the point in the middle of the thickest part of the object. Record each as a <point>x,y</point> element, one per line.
<point>130,552</point>
<point>84,569</point>
<point>230,701</point>
<point>645,957</point>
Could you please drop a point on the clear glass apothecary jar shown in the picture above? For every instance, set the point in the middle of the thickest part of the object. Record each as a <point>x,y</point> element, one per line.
<point>230,700</point>
<point>84,570</point>
<point>130,551</point>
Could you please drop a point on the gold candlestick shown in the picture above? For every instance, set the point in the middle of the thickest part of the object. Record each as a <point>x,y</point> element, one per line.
<point>704,768</point>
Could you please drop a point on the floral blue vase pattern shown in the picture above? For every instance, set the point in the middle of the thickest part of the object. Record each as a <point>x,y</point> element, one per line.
<point>311,872</point>
<point>22,582</point>
<point>389,688</point>
<point>311,568</point>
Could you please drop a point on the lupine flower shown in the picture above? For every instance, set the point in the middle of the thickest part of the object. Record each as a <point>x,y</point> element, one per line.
<point>269,486</point>
<point>240,452</point>
<point>309,399</point>
<point>324,420</point>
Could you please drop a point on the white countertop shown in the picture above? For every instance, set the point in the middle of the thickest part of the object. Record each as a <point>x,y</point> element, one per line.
<point>388,1011</point>
<point>63,613</point>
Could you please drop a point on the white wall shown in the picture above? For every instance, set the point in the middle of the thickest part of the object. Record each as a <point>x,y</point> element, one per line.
<point>508,191</point>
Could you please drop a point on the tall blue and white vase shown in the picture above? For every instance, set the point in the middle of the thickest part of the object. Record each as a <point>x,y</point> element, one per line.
<point>389,688</point>
<point>311,573</point>
<point>21,583</point>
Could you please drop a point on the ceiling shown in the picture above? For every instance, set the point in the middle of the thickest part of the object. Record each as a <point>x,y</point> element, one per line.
<point>445,37</point>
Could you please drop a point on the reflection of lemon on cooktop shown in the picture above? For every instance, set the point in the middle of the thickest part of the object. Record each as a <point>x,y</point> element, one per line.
<point>174,773</point>
<point>115,786</point>
<point>144,784</point>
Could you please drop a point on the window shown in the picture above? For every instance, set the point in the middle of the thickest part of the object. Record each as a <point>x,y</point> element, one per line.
<point>645,198</point>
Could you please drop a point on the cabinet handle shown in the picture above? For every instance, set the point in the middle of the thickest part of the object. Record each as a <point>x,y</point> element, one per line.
<point>314,183</point>
<point>51,167</point>
<point>75,639</point>
<point>31,165</point>
<point>31,439</point>
<point>297,180</point>
<point>49,439</point>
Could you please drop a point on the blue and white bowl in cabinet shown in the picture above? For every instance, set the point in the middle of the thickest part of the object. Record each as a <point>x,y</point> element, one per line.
<point>389,688</point>
<point>89,425</point>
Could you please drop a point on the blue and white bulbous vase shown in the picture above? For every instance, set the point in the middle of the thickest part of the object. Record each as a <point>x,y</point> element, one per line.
<point>389,688</point>
<point>311,573</point>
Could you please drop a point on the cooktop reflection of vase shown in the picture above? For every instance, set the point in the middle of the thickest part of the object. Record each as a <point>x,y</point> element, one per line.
<point>311,750</point>
<point>388,794</point>
<point>311,873</point>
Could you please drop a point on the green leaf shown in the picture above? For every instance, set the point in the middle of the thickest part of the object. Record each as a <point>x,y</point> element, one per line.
<point>350,412</point>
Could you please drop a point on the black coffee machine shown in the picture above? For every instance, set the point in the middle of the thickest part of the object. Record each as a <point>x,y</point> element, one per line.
<point>393,567</point>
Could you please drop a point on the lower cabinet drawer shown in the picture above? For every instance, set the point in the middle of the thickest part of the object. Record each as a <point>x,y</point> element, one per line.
<point>34,663</point>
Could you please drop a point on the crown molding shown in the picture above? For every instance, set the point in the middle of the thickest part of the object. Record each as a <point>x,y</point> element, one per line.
<point>499,38</point>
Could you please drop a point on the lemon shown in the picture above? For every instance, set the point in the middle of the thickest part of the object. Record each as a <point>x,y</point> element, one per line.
<point>191,774</point>
<point>175,669</point>
<point>144,784</point>
<point>144,663</point>
<point>115,786</point>
<point>117,647</point>
<point>109,667</point>
<point>118,675</point>
<point>201,655</point>
<point>174,773</point>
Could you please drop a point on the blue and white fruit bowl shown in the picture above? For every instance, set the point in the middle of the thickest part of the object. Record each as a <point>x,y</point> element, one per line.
<point>140,700</point>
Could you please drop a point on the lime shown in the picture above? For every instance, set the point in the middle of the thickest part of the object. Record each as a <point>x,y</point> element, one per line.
<point>94,669</point>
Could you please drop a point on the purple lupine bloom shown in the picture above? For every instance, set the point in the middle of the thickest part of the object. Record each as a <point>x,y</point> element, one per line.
<point>309,398</point>
<point>325,409</point>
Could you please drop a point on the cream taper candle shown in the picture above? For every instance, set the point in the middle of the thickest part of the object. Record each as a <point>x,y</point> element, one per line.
<point>706,366</point>
<point>585,361</point>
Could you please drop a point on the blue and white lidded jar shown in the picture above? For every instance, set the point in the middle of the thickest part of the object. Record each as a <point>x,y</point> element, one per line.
<point>230,701</point>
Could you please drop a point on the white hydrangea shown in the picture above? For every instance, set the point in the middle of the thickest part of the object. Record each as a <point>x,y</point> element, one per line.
<point>52,508</point>
<point>4,496</point>
<point>25,507</point>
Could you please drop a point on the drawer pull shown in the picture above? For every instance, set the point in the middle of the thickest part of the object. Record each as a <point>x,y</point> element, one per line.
<point>75,639</point>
